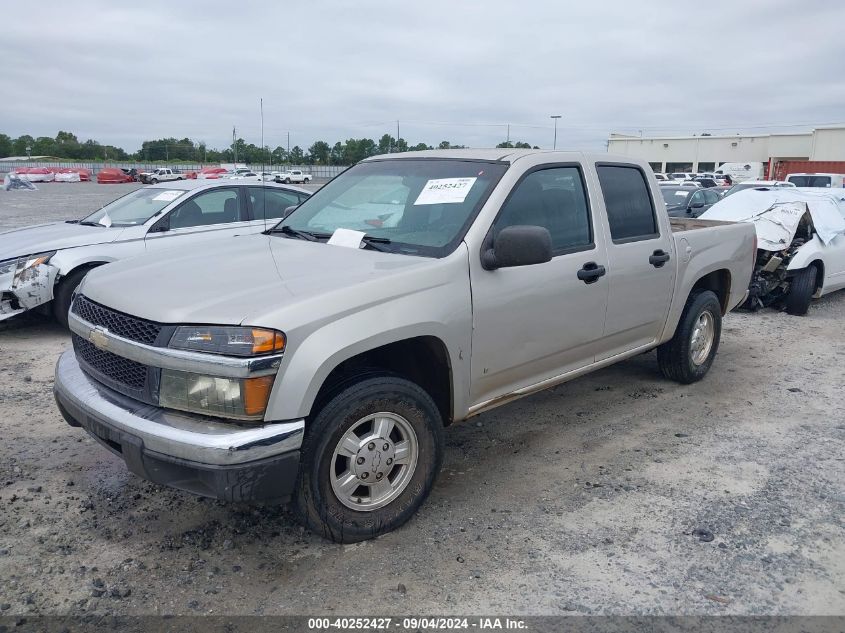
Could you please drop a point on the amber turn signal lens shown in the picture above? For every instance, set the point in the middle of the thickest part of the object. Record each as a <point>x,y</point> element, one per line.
<point>256,392</point>
<point>267,341</point>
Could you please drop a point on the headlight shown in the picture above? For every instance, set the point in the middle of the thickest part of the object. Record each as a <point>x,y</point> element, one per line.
<point>230,341</point>
<point>238,398</point>
<point>26,269</point>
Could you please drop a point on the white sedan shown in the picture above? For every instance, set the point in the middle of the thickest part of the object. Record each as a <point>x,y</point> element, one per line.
<point>45,263</point>
<point>800,243</point>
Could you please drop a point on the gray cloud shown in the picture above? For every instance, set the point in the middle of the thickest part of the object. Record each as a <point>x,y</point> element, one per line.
<point>331,70</point>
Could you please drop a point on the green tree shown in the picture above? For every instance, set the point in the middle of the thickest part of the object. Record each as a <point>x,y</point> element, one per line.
<point>444,145</point>
<point>419,147</point>
<point>20,144</point>
<point>386,144</point>
<point>5,146</point>
<point>297,156</point>
<point>319,152</point>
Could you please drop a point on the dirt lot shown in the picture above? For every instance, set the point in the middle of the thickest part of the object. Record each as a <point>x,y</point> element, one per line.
<point>618,493</point>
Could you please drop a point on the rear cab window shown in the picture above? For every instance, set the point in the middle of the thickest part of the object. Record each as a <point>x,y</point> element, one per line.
<point>627,199</point>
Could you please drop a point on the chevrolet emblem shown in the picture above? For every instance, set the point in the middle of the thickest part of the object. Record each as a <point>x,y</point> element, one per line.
<point>99,339</point>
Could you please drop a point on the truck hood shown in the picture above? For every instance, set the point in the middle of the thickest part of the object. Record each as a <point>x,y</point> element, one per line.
<point>53,237</point>
<point>245,280</point>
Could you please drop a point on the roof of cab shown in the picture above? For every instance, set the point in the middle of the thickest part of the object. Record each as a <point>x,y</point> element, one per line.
<point>507,155</point>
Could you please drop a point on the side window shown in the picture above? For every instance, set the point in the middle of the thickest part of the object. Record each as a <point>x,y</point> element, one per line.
<point>269,203</point>
<point>553,198</point>
<point>219,206</point>
<point>698,196</point>
<point>710,197</point>
<point>630,212</point>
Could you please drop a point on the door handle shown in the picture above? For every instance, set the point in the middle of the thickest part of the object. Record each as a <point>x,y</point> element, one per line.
<point>591,272</point>
<point>658,258</point>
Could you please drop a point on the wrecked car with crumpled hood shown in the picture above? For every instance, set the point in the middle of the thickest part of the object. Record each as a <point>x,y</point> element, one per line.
<point>800,243</point>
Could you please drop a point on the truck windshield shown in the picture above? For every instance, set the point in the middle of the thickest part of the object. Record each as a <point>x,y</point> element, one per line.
<point>134,208</point>
<point>412,206</point>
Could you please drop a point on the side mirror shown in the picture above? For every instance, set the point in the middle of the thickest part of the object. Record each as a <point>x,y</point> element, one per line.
<point>289,210</point>
<point>696,205</point>
<point>518,246</point>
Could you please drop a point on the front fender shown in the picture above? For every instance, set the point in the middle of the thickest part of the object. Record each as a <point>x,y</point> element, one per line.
<point>308,363</point>
<point>811,251</point>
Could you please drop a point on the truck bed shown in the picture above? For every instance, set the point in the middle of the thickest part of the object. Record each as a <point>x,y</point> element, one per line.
<point>691,224</point>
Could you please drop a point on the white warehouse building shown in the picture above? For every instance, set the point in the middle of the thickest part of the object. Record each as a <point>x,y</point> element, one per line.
<point>706,153</point>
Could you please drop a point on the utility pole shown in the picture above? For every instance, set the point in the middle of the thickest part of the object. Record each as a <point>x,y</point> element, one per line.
<point>288,160</point>
<point>555,117</point>
<point>234,146</point>
<point>509,133</point>
<point>397,135</point>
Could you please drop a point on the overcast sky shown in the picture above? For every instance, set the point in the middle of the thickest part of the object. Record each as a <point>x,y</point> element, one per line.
<point>122,72</point>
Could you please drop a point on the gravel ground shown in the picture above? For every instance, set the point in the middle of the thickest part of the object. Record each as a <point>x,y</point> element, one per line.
<point>617,493</point>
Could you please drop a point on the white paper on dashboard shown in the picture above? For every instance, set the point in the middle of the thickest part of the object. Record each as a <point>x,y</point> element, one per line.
<point>347,237</point>
<point>168,196</point>
<point>445,191</point>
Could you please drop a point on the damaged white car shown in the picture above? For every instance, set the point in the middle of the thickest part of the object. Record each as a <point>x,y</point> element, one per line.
<point>800,243</point>
<point>42,265</point>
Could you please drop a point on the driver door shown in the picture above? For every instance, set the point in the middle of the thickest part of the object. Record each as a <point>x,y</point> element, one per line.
<point>533,323</point>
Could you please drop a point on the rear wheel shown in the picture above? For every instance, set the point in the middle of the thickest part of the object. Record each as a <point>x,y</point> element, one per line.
<point>369,459</point>
<point>688,355</point>
<point>63,294</point>
<point>801,290</point>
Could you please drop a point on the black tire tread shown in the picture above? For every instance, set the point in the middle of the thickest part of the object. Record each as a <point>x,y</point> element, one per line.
<point>63,294</point>
<point>319,429</point>
<point>673,355</point>
<point>801,290</point>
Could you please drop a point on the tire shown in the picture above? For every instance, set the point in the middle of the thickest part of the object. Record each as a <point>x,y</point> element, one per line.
<point>325,465</point>
<point>63,294</point>
<point>801,290</point>
<point>287,181</point>
<point>683,358</point>
<point>153,181</point>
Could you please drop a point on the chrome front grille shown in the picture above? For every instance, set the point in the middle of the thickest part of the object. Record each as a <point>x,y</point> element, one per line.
<point>124,375</point>
<point>124,325</point>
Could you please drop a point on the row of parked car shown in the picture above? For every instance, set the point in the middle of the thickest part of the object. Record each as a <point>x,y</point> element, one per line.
<point>118,175</point>
<point>316,349</point>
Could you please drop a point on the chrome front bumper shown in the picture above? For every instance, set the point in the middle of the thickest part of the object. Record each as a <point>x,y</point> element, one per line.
<point>168,433</point>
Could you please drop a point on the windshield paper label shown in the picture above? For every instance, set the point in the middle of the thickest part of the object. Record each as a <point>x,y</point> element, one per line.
<point>445,191</point>
<point>683,194</point>
<point>169,196</point>
<point>346,237</point>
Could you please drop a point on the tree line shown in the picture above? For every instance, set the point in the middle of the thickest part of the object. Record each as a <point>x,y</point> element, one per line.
<point>67,145</point>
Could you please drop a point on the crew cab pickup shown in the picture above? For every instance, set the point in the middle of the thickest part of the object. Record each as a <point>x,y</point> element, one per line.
<point>294,175</point>
<point>162,174</point>
<point>321,361</point>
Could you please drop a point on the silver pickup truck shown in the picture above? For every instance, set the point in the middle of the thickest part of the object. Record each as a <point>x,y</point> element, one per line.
<point>321,361</point>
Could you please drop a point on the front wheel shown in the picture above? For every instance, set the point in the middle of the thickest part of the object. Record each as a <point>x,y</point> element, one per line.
<point>153,181</point>
<point>287,181</point>
<point>801,290</point>
<point>63,294</point>
<point>688,355</point>
<point>369,459</point>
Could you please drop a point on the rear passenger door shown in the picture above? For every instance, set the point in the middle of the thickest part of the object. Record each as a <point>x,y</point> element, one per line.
<point>268,204</point>
<point>213,214</point>
<point>640,270</point>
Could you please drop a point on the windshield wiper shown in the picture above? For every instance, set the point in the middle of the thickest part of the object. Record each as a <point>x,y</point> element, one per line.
<point>87,223</point>
<point>377,243</point>
<point>303,235</point>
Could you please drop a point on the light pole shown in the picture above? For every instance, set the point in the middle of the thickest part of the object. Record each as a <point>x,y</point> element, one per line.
<point>555,117</point>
